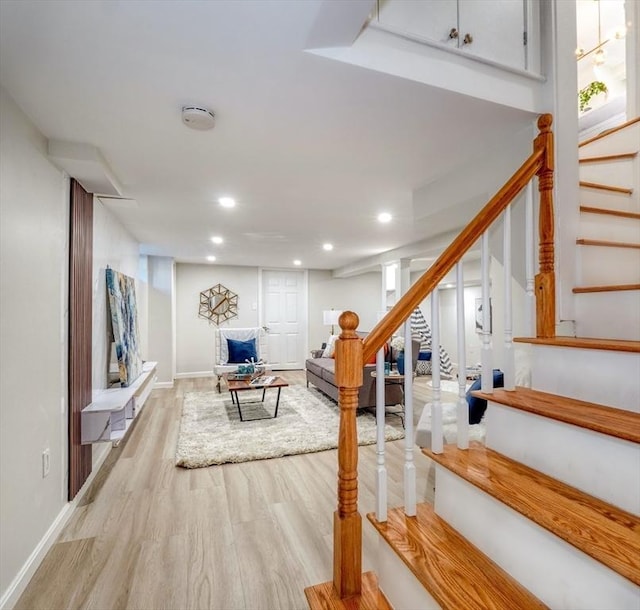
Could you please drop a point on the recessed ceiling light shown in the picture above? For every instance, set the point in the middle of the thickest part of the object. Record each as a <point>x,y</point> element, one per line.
<point>211,258</point>
<point>327,247</point>
<point>227,202</point>
<point>297,262</point>
<point>384,217</point>
<point>217,239</point>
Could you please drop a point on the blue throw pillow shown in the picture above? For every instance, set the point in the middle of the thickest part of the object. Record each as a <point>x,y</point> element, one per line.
<point>477,406</point>
<point>239,351</point>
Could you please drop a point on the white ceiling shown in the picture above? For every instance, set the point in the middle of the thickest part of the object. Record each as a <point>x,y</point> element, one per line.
<point>312,149</point>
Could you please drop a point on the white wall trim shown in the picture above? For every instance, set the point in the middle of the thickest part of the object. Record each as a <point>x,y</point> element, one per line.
<point>162,384</point>
<point>25,574</point>
<point>191,375</point>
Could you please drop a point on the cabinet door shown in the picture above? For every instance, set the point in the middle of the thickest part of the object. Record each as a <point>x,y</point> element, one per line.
<point>497,29</point>
<point>431,19</point>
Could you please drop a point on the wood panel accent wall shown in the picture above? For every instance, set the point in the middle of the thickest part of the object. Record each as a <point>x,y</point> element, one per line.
<point>80,325</point>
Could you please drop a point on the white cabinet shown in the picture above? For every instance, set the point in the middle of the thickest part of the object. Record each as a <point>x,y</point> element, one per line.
<point>431,19</point>
<point>112,411</point>
<point>494,30</point>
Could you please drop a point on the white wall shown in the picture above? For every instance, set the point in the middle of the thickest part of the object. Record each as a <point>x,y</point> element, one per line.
<point>33,324</point>
<point>195,335</point>
<point>361,294</point>
<point>115,247</point>
<point>161,325</point>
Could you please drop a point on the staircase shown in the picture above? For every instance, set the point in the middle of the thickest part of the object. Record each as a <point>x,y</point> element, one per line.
<point>550,505</point>
<point>608,290</point>
<point>547,512</point>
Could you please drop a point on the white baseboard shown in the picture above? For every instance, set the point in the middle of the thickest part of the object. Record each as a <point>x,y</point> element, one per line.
<point>162,384</point>
<point>195,374</point>
<point>13,592</point>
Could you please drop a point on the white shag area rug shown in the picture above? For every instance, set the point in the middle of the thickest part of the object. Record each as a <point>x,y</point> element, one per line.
<point>211,431</point>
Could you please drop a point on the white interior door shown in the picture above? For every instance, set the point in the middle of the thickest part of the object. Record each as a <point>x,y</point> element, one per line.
<point>284,297</point>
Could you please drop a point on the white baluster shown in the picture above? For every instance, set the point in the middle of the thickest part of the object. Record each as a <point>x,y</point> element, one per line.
<point>437,434</point>
<point>509,355</point>
<point>463,407</point>
<point>486,355</point>
<point>409,466</point>
<point>529,255</point>
<point>381,469</point>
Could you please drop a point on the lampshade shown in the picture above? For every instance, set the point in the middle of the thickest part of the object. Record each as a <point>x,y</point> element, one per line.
<point>330,316</point>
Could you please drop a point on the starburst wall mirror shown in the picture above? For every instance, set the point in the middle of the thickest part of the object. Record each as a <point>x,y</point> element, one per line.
<point>218,304</point>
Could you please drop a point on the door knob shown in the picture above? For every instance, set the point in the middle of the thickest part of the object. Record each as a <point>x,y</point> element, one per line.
<point>468,39</point>
<point>453,33</point>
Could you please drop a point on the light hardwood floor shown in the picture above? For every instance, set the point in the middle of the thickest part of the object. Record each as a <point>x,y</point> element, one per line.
<point>149,535</point>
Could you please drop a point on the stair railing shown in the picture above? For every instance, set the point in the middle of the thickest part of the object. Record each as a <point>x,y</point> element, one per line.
<point>351,351</point>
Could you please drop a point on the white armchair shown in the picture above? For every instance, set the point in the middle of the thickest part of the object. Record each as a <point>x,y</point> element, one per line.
<point>221,362</point>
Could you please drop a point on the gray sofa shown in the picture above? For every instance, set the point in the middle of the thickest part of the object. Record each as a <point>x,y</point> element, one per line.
<point>321,373</point>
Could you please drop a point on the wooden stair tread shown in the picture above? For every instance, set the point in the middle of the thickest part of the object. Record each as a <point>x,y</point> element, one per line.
<point>606,187</point>
<point>454,572</point>
<point>612,288</point>
<point>615,345</point>
<point>630,155</point>
<point>607,420</point>
<point>608,132</point>
<point>606,244</point>
<point>606,533</point>
<point>622,213</point>
<point>324,597</point>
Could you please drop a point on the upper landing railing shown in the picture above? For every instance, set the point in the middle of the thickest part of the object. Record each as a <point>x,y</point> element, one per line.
<point>351,351</point>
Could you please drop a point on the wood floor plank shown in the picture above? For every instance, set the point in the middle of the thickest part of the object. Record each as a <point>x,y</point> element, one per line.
<point>606,420</point>
<point>143,516</point>
<point>603,531</point>
<point>454,572</point>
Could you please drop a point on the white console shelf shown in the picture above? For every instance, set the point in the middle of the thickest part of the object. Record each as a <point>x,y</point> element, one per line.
<point>112,411</point>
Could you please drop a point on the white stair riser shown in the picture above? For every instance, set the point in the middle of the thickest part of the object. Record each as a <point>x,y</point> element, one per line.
<point>625,140</point>
<point>401,588</point>
<point>610,200</point>
<point>616,172</point>
<point>609,228</point>
<point>557,573</point>
<point>601,265</point>
<point>569,453</point>
<point>600,376</point>
<point>614,315</point>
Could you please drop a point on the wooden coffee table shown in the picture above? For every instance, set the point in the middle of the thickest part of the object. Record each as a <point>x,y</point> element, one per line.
<point>242,385</point>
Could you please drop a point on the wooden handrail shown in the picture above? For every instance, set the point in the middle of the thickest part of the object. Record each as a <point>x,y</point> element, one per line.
<point>351,352</point>
<point>458,248</point>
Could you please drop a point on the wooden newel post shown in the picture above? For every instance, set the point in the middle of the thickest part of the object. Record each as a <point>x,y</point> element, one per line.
<point>545,281</point>
<point>347,522</point>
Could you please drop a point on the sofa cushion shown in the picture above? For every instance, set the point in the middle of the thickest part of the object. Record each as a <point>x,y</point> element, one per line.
<point>329,371</point>
<point>316,365</point>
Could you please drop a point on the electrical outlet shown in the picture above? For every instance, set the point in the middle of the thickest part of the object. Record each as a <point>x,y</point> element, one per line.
<point>46,462</point>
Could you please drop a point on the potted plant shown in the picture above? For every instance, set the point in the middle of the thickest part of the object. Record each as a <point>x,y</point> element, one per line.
<point>585,94</point>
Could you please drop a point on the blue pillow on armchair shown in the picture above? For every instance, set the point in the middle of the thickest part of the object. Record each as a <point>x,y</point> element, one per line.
<point>477,406</point>
<point>240,351</point>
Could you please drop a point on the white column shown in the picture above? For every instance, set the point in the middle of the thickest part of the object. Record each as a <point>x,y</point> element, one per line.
<point>509,356</point>
<point>409,466</point>
<point>436,405</point>
<point>529,256</point>
<point>463,407</point>
<point>486,355</point>
<point>381,469</point>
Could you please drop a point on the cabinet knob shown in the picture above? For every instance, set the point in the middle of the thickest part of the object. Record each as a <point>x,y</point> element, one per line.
<point>453,33</point>
<point>468,39</point>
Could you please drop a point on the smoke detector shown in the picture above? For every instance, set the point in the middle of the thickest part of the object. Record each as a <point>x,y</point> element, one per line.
<point>198,118</point>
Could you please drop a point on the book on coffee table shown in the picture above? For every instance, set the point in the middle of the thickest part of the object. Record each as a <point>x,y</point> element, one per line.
<point>263,380</point>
